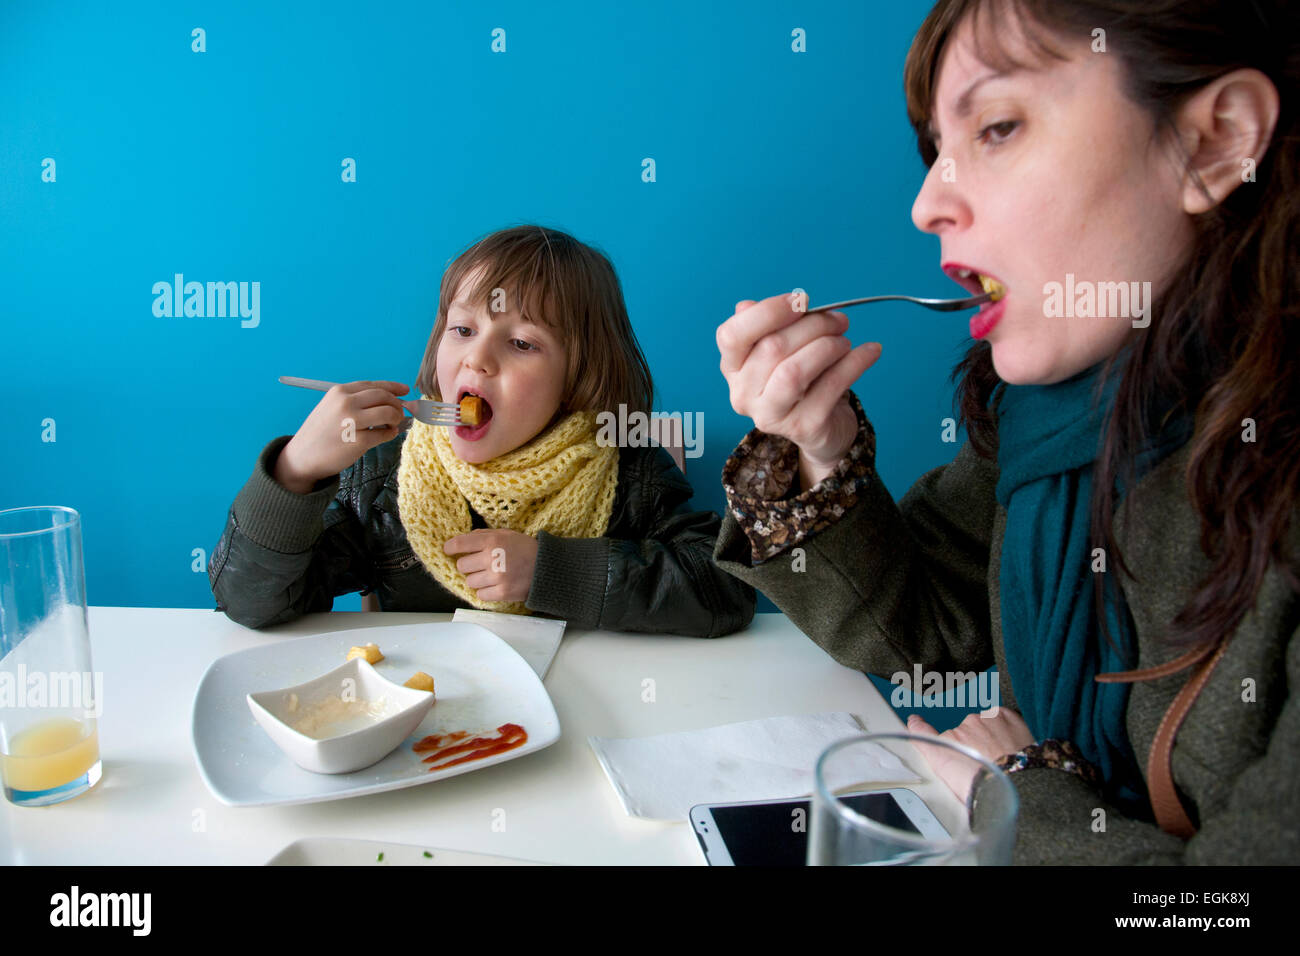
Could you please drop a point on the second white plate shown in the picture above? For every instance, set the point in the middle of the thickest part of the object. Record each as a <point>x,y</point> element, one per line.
<point>334,851</point>
<point>481,683</point>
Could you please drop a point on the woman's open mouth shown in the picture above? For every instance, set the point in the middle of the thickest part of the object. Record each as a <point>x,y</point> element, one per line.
<point>978,283</point>
<point>484,411</point>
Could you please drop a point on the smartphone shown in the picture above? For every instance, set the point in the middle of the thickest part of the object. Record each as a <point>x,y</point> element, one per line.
<point>775,832</point>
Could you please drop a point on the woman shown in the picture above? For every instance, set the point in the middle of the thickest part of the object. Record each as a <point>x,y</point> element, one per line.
<point>1126,497</point>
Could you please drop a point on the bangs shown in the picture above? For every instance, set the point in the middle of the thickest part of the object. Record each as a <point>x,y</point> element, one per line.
<point>533,279</point>
<point>996,27</point>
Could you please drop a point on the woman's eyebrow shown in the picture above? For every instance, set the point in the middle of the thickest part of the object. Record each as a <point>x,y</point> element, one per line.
<point>963,105</point>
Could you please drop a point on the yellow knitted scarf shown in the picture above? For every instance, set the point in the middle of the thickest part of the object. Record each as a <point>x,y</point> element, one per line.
<point>562,482</point>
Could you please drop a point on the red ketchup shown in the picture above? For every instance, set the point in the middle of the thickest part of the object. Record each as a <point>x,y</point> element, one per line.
<point>441,746</point>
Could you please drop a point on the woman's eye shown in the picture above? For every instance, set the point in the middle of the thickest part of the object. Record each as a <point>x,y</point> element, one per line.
<point>997,133</point>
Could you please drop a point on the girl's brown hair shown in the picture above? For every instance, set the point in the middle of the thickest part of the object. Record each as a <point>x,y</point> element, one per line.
<point>1224,339</point>
<point>571,288</point>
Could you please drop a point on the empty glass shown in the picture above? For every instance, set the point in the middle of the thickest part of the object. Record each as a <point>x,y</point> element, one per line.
<point>908,834</point>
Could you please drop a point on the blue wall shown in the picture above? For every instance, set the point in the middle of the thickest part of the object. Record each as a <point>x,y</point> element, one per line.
<point>774,169</point>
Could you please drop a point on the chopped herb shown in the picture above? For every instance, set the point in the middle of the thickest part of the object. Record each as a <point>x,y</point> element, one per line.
<point>428,854</point>
<point>380,859</point>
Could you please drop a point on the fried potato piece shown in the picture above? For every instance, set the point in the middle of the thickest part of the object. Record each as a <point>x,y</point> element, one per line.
<point>471,410</point>
<point>420,681</point>
<point>993,286</point>
<point>370,652</point>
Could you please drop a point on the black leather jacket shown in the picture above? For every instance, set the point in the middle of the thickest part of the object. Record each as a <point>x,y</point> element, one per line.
<point>283,555</point>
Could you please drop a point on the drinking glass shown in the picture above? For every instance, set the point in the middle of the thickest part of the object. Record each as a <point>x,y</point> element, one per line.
<point>840,835</point>
<point>49,694</point>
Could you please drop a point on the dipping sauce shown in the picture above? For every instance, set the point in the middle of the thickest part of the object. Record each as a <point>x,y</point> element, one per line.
<point>334,716</point>
<point>454,744</point>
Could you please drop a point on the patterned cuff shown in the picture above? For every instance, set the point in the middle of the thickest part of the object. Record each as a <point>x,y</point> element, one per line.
<point>1055,754</point>
<point>760,473</point>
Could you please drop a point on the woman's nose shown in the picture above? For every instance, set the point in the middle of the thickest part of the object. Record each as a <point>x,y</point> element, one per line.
<point>939,205</point>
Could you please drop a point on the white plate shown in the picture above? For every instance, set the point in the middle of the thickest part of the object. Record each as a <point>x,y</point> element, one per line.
<point>335,851</point>
<point>480,684</point>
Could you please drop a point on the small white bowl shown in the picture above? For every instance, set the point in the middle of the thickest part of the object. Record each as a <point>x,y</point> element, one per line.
<point>403,709</point>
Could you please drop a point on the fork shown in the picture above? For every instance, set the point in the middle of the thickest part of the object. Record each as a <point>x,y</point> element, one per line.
<point>939,305</point>
<point>425,409</point>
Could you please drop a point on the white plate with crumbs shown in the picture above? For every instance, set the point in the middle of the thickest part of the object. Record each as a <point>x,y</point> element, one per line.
<point>481,685</point>
<point>336,851</point>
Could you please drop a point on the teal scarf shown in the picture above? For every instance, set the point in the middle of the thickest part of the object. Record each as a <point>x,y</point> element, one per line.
<point>1048,438</point>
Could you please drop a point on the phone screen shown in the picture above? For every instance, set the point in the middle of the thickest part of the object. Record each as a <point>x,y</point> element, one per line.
<point>766,834</point>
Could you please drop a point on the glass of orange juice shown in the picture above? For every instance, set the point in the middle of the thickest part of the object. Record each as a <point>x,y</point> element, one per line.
<point>50,696</point>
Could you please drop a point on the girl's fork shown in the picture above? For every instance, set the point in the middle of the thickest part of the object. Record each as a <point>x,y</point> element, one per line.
<point>423,409</point>
<point>939,305</point>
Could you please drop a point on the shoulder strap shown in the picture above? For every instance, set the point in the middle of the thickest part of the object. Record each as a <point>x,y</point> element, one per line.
<point>1160,779</point>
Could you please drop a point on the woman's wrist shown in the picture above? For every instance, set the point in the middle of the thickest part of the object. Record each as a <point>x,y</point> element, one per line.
<point>761,480</point>
<point>812,471</point>
<point>818,464</point>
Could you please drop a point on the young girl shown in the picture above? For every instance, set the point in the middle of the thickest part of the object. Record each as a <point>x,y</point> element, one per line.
<point>527,511</point>
<point>1124,513</point>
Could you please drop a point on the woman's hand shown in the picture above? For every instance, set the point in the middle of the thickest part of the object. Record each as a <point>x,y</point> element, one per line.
<point>497,564</point>
<point>789,371</point>
<point>335,433</point>
<point>993,734</point>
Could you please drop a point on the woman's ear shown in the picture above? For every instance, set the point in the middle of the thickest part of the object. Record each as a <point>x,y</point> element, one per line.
<point>1225,128</point>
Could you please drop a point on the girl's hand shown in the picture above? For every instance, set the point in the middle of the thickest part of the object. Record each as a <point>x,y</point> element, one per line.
<point>993,734</point>
<point>789,372</point>
<point>335,433</point>
<point>498,564</point>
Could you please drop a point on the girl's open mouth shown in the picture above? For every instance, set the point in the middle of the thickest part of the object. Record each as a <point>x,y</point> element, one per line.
<point>475,432</point>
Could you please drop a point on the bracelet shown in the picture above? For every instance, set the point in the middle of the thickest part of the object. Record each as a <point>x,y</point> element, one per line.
<point>1054,754</point>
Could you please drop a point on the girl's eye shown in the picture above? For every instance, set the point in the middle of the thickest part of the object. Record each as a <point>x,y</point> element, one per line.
<point>523,346</point>
<point>997,133</point>
<point>458,329</point>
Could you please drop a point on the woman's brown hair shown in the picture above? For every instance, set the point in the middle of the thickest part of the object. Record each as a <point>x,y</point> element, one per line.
<point>572,289</point>
<point>1224,339</point>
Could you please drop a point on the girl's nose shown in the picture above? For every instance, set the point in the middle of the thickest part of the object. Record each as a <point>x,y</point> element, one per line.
<point>939,205</point>
<point>479,358</point>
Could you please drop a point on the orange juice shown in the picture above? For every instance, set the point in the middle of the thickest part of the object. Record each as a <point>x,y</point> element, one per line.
<point>50,754</point>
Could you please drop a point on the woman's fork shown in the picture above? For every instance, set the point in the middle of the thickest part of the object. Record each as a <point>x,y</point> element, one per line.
<point>422,409</point>
<point>939,305</point>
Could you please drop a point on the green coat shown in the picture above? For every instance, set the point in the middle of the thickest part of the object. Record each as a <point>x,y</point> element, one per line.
<point>890,585</point>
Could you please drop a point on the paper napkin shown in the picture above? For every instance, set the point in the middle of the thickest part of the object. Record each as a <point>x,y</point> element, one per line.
<point>536,639</point>
<point>662,777</point>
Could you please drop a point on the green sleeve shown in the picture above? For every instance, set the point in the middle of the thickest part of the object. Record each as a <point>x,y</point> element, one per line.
<point>1252,821</point>
<point>653,573</point>
<point>889,585</point>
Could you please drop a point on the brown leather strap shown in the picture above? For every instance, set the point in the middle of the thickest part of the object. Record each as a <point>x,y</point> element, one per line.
<point>1160,777</point>
<point>1150,673</point>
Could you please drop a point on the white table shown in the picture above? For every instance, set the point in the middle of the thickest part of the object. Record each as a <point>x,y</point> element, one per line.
<point>151,807</point>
